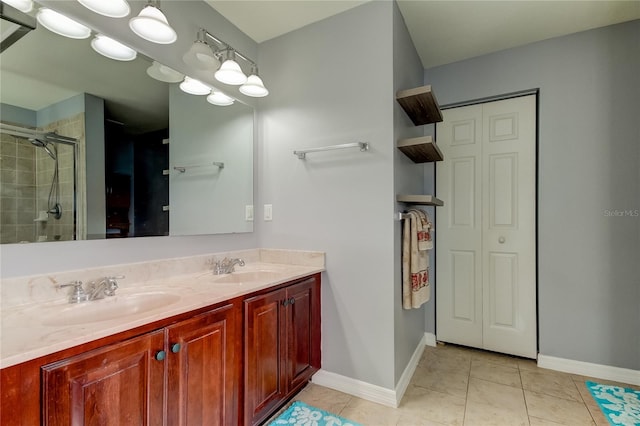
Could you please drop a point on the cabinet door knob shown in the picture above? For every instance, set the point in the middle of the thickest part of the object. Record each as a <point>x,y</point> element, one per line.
<point>175,348</point>
<point>285,302</point>
<point>160,355</point>
<point>501,240</point>
<point>292,300</point>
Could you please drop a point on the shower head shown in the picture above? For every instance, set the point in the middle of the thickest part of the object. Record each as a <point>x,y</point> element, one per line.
<point>45,146</point>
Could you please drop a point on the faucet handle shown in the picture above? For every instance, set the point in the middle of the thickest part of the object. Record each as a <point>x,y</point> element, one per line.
<point>112,284</point>
<point>77,294</point>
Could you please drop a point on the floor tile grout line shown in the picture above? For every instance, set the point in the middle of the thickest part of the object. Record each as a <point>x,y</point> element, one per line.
<point>524,396</point>
<point>466,396</point>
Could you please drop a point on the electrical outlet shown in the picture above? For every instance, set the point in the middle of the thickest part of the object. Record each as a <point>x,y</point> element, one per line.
<point>248,213</point>
<point>268,212</point>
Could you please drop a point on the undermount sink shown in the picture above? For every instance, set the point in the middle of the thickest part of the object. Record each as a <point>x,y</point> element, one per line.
<point>108,308</point>
<point>247,276</point>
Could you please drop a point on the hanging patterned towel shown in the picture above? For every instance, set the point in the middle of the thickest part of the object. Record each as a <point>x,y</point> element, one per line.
<point>415,259</point>
<point>424,230</point>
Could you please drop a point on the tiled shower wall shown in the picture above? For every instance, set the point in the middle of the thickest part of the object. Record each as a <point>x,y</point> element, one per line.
<point>25,182</point>
<point>17,190</point>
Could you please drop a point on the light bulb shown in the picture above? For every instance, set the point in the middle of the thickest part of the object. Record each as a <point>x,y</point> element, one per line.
<point>60,24</point>
<point>25,6</point>
<point>254,87</point>
<point>164,73</point>
<point>218,98</point>
<point>110,8</point>
<point>194,87</point>
<point>112,49</point>
<point>230,72</point>
<point>201,57</point>
<point>152,25</point>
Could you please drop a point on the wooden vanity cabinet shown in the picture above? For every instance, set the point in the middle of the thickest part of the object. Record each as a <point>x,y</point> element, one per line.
<point>204,369</point>
<point>282,346</point>
<point>116,385</point>
<point>183,374</point>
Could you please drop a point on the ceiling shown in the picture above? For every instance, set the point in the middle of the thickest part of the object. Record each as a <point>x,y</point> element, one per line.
<point>442,31</point>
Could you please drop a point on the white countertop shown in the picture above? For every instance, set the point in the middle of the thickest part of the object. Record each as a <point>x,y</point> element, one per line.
<point>36,329</point>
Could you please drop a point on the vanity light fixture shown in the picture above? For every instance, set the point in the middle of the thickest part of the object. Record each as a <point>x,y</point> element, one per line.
<point>164,73</point>
<point>230,72</point>
<point>110,8</point>
<point>152,25</point>
<point>194,87</point>
<point>25,6</point>
<point>200,55</point>
<point>218,98</point>
<point>60,24</point>
<point>112,49</point>
<point>254,86</point>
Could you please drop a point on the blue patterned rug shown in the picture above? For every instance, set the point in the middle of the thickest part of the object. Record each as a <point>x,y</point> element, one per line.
<point>301,414</point>
<point>621,406</point>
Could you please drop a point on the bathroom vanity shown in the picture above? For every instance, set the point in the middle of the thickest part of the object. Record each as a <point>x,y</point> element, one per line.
<point>232,350</point>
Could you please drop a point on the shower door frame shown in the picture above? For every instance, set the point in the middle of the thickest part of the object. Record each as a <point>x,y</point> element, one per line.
<point>27,133</point>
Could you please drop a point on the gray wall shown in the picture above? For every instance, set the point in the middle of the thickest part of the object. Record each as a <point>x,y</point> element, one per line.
<point>185,17</point>
<point>201,133</point>
<point>589,157</point>
<point>95,166</point>
<point>331,83</point>
<point>408,179</point>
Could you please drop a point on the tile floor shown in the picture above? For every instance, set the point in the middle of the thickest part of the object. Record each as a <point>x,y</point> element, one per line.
<point>454,385</point>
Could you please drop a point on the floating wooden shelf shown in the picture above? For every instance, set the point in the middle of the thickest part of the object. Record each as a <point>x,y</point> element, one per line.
<point>420,104</point>
<point>420,150</point>
<point>427,200</point>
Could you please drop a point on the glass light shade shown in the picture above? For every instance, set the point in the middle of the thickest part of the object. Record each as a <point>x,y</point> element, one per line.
<point>194,87</point>
<point>25,6</point>
<point>110,8</point>
<point>254,87</point>
<point>164,73</point>
<point>152,25</point>
<point>230,73</point>
<point>60,24</point>
<point>201,57</point>
<point>220,99</point>
<point>112,49</point>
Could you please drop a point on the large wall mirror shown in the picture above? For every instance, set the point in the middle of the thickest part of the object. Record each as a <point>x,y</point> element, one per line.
<point>120,154</point>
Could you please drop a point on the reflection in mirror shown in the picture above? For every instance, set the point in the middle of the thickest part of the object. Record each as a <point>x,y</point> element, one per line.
<point>117,183</point>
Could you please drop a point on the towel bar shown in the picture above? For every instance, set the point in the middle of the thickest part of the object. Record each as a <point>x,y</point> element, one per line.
<point>302,154</point>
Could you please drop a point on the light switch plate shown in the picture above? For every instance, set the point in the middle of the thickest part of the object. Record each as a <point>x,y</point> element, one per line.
<point>268,212</point>
<point>248,213</point>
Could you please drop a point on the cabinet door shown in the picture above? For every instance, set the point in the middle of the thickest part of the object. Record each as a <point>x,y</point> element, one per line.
<point>302,333</point>
<point>204,361</point>
<point>264,349</point>
<point>120,384</point>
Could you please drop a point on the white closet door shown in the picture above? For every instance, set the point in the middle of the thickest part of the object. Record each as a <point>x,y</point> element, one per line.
<point>509,235</point>
<point>488,261</point>
<point>459,227</point>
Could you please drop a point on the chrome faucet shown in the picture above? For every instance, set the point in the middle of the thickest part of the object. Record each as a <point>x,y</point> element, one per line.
<point>77,295</point>
<point>226,265</point>
<point>106,286</point>
<point>95,290</point>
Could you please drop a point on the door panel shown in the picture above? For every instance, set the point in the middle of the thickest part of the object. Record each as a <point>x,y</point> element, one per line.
<point>300,334</point>
<point>509,240</point>
<point>503,190</point>
<point>458,235</point>
<point>264,350</point>
<point>203,371</point>
<point>485,233</point>
<point>111,386</point>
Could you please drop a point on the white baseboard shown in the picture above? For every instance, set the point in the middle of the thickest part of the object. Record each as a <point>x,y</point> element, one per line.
<point>430,339</point>
<point>598,371</point>
<point>374,393</point>
<point>355,387</point>
<point>407,374</point>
